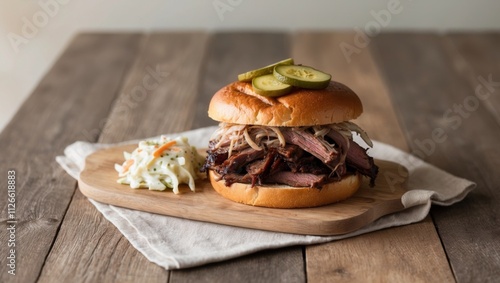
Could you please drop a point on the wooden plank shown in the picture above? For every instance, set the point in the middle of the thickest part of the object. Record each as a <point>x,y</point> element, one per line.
<point>385,256</point>
<point>258,267</point>
<point>475,57</point>
<point>435,94</point>
<point>161,95</point>
<point>52,117</point>
<point>89,248</point>
<point>383,252</point>
<point>104,255</point>
<point>228,55</point>
<point>476,60</point>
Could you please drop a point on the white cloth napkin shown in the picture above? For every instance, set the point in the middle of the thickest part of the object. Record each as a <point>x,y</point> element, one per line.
<point>176,243</point>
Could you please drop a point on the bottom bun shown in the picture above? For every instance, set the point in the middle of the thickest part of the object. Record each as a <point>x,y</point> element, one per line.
<point>283,196</point>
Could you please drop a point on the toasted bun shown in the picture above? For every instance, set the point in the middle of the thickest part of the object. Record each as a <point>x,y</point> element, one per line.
<point>237,103</point>
<point>282,196</point>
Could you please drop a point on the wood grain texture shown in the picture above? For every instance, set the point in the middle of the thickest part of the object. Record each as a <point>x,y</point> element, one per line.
<point>479,53</point>
<point>436,93</point>
<point>475,58</point>
<point>228,55</point>
<point>163,90</point>
<point>386,256</point>
<point>104,255</point>
<point>89,248</point>
<point>261,265</point>
<point>379,119</point>
<point>55,115</point>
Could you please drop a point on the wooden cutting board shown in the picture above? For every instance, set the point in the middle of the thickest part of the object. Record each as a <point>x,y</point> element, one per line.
<point>98,182</point>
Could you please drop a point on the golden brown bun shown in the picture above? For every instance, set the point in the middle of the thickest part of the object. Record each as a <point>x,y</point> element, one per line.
<point>237,103</point>
<point>282,196</point>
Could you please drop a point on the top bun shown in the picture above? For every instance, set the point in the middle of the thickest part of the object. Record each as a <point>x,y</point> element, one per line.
<point>237,103</point>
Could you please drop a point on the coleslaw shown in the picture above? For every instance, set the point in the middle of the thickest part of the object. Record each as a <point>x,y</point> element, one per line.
<point>161,164</point>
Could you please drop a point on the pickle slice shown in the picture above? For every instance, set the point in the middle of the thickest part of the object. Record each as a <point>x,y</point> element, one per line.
<point>268,85</point>
<point>302,76</point>
<point>248,76</point>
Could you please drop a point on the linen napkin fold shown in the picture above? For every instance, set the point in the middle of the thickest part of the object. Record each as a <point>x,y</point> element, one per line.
<point>175,243</point>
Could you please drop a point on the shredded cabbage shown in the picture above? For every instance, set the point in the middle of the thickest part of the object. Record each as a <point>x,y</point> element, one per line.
<point>161,164</point>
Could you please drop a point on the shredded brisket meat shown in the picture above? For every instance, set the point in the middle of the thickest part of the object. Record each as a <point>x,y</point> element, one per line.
<point>306,160</point>
<point>297,179</point>
<point>311,144</point>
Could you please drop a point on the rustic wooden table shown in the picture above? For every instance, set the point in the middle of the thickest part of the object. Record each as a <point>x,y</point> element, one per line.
<point>434,95</point>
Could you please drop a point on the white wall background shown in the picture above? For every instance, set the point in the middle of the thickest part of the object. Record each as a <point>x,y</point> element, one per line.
<point>54,22</point>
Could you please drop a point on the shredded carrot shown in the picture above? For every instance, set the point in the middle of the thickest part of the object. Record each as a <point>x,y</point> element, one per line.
<point>127,165</point>
<point>162,148</point>
<point>176,148</point>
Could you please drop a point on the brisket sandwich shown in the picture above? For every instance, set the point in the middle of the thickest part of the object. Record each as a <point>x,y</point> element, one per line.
<point>291,151</point>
